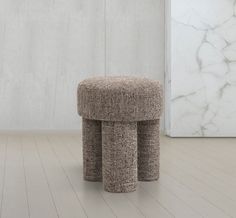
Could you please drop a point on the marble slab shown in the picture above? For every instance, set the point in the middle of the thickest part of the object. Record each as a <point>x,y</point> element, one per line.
<point>201,68</point>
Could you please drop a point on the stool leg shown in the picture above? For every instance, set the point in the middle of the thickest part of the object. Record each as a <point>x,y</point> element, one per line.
<point>148,150</point>
<point>119,151</point>
<point>92,150</point>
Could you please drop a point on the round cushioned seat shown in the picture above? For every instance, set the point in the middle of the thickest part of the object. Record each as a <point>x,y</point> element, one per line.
<point>119,99</point>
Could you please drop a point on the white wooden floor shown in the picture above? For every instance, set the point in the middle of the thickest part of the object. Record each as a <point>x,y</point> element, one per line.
<point>41,177</point>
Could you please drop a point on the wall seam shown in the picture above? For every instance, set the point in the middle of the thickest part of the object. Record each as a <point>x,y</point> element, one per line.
<point>105,37</point>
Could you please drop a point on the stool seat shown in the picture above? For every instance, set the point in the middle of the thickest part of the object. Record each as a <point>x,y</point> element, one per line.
<point>119,99</point>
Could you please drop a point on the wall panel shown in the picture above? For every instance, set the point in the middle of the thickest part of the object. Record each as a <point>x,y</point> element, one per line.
<point>202,68</point>
<point>135,38</point>
<point>46,48</point>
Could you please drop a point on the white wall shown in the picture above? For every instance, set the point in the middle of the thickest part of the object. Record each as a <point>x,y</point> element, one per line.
<point>48,46</point>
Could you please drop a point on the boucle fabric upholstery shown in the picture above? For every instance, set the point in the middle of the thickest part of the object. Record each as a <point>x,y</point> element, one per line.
<point>148,150</point>
<point>120,130</point>
<point>119,148</point>
<point>92,150</point>
<point>119,99</point>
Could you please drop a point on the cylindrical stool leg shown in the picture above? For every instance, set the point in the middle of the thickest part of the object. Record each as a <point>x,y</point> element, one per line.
<point>148,150</point>
<point>119,151</point>
<point>92,150</point>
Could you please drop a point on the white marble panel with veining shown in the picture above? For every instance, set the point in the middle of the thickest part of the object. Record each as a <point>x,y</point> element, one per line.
<point>201,79</point>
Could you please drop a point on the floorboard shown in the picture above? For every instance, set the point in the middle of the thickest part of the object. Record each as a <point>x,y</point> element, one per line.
<point>41,175</point>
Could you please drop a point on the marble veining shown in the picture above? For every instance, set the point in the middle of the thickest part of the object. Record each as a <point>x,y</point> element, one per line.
<point>202,68</point>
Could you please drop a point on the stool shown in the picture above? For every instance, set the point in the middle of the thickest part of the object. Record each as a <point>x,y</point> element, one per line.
<point>121,118</point>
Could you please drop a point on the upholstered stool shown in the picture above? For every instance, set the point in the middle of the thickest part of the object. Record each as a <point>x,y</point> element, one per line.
<point>120,130</point>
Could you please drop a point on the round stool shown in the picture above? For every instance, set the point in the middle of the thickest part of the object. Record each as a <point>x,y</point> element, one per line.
<point>120,130</point>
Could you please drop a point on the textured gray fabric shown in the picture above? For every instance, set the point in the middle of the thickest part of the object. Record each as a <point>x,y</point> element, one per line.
<point>120,99</point>
<point>148,150</point>
<point>119,151</point>
<point>129,110</point>
<point>92,150</point>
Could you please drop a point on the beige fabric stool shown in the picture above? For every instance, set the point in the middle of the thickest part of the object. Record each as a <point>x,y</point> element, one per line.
<point>120,130</point>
